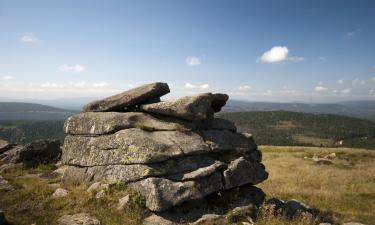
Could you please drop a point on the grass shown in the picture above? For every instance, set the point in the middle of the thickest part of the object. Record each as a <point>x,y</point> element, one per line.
<point>32,202</point>
<point>344,189</point>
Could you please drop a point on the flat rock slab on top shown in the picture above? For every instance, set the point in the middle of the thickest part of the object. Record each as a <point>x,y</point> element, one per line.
<point>98,123</point>
<point>120,102</point>
<point>193,108</point>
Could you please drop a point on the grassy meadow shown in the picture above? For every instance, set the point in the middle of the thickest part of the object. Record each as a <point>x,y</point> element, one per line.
<point>344,189</point>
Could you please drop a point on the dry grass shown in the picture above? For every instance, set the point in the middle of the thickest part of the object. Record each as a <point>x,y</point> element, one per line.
<point>32,201</point>
<point>346,188</point>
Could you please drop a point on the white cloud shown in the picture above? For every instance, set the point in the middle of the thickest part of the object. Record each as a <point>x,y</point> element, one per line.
<point>193,86</point>
<point>296,58</point>
<point>345,91</point>
<point>358,81</point>
<point>29,38</point>
<point>275,54</point>
<point>189,85</point>
<point>204,86</point>
<point>320,89</point>
<point>7,77</point>
<point>193,61</point>
<point>245,88</point>
<point>278,54</point>
<point>373,79</point>
<point>100,84</point>
<point>72,68</point>
<point>351,34</point>
<point>340,81</point>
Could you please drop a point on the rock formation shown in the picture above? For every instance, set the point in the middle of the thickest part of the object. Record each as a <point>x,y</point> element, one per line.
<point>171,152</point>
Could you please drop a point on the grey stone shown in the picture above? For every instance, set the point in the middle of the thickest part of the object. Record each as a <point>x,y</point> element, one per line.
<point>122,202</point>
<point>93,187</point>
<point>162,194</point>
<point>224,140</point>
<point>241,171</point>
<point>4,146</point>
<point>100,194</point>
<point>157,220</point>
<point>193,108</point>
<point>135,172</point>
<point>131,146</point>
<point>78,219</point>
<point>34,153</point>
<point>199,173</point>
<point>4,185</point>
<point>97,123</point>
<point>128,99</point>
<point>60,193</point>
<point>207,218</point>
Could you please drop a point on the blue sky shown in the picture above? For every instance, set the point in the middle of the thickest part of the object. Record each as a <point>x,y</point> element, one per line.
<point>253,50</point>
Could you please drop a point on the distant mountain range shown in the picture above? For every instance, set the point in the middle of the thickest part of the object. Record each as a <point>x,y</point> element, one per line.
<point>33,111</point>
<point>358,109</point>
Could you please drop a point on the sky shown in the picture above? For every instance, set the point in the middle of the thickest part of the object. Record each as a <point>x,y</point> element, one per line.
<point>286,51</point>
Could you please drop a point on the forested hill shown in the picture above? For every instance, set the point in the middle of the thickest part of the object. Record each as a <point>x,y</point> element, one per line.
<point>31,111</point>
<point>294,128</point>
<point>359,109</point>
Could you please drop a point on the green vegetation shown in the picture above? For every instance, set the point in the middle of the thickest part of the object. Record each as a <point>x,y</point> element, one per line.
<point>303,129</point>
<point>22,131</point>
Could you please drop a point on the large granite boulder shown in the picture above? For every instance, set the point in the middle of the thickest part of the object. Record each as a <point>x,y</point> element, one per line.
<point>171,152</point>
<point>193,108</point>
<point>126,100</point>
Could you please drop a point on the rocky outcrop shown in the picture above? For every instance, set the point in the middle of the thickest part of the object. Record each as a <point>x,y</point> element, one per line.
<point>127,100</point>
<point>34,153</point>
<point>171,152</point>
<point>193,108</point>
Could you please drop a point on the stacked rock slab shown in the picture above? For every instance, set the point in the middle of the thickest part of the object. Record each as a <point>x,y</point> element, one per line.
<point>171,152</point>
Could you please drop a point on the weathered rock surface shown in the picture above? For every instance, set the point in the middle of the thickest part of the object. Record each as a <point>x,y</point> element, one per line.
<point>99,123</point>
<point>162,194</point>
<point>193,108</point>
<point>34,153</point>
<point>4,185</point>
<point>4,146</point>
<point>123,202</point>
<point>241,171</point>
<point>134,172</point>
<point>172,152</point>
<point>131,146</point>
<point>128,99</point>
<point>59,193</point>
<point>78,219</point>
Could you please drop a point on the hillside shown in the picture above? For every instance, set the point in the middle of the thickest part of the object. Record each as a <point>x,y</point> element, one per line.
<point>359,109</point>
<point>294,128</point>
<point>31,111</point>
<point>23,131</point>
